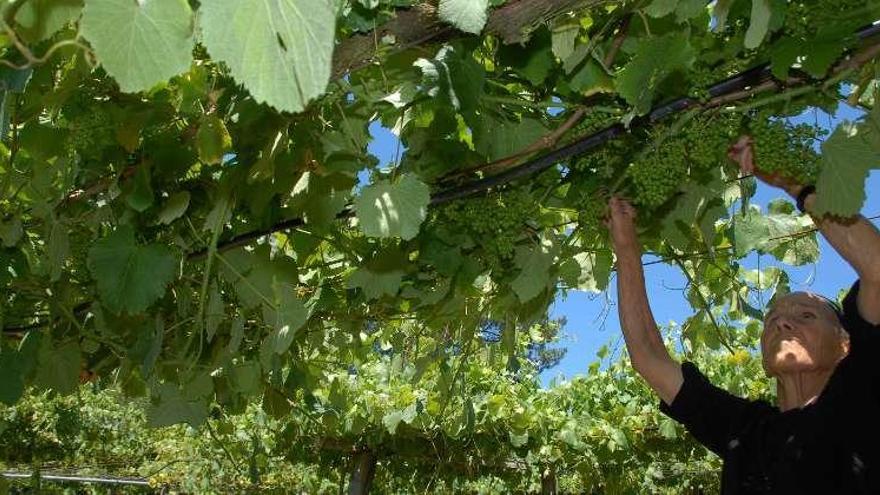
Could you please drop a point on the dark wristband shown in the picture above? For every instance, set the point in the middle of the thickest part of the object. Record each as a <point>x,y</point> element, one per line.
<point>802,197</point>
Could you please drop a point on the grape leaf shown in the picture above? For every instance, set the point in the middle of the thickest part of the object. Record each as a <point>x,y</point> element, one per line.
<point>139,190</point>
<point>750,230</point>
<point>759,25</point>
<point>393,209</point>
<point>59,367</point>
<point>847,157</point>
<point>254,275</point>
<point>535,62</point>
<point>175,207</point>
<point>534,276</point>
<point>39,19</point>
<point>688,9</point>
<point>564,38</point>
<point>783,55</point>
<point>695,214</point>
<point>57,249</point>
<point>280,50</point>
<point>174,405</point>
<point>153,340</point>
<point>570,435</point>
<point>518,440</point>
<point>290,315</point>
<point>815,55</point>
<point>870,127</point>
<point>661,8</point>
<point>391,420</point>
<point>822,54</point>
<point>11,232</point>
<point>797,250</point>
<point>140,43</point>
<point>454,76</point>
<point>684,9</point>
<point>668,429</point>
<point>214,312</point>
<point>236,334</point>
<point>467,15</point>
<point>321,197</point>
<point>655,59</point>
<point>496,138</point>
<point>587,271</point>
<point>410,413</point>
<point>245,378</point>
<point>376,284</point>
<point>130,277</point>
<point>213,140</point>
<point>381,275</point>
<point>12,384</point>
<point>591,79</point>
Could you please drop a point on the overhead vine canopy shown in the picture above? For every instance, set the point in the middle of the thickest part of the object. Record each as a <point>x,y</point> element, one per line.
<point>190,207</point>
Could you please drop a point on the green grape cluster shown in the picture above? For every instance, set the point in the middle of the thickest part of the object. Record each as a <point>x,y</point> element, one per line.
<point>591,210</point>
<point>89,133</point>
<point>495,222</point>
<point>707,140</point>
<point>657,174</point>
<point>785,149</point>
<point>591,122</point>
<point>702,78</point>
<point>604,161</point>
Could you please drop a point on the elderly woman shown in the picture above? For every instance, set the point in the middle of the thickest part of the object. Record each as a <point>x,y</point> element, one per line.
<point>823,434</point>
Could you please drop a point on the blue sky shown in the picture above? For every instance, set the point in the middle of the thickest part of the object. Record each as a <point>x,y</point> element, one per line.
<point>592,318</point>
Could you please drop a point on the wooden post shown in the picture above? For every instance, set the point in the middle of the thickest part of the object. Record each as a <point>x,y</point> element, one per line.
<point>362,474</point>
<point>548,482</point>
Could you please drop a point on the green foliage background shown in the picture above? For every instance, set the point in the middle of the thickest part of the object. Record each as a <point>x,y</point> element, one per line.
<point>601,433</point>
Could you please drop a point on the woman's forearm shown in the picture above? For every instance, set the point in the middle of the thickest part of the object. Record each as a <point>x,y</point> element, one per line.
<point>857,241</point>
<point>643,341</point>
<point>636,318</point>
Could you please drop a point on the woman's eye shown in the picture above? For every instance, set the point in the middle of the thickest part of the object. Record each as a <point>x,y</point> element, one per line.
<point>807,314</point>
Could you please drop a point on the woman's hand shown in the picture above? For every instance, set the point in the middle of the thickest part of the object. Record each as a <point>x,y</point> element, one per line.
<point>621,224</point>
<point>743,153</point>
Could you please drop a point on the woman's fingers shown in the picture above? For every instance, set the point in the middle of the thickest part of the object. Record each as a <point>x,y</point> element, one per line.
<point>742,152</point>
<point>619,209</point>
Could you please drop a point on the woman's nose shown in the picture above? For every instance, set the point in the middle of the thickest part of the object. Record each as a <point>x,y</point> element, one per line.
<point>785,323</point>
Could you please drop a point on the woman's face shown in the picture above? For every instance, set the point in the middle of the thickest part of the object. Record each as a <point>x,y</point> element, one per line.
<point>802,334</point>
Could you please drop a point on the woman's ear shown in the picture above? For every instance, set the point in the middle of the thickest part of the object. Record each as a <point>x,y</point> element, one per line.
<point>844,342</point>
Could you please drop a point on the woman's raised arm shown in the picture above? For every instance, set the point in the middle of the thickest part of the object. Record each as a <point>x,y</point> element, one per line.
<point>649,356</point>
